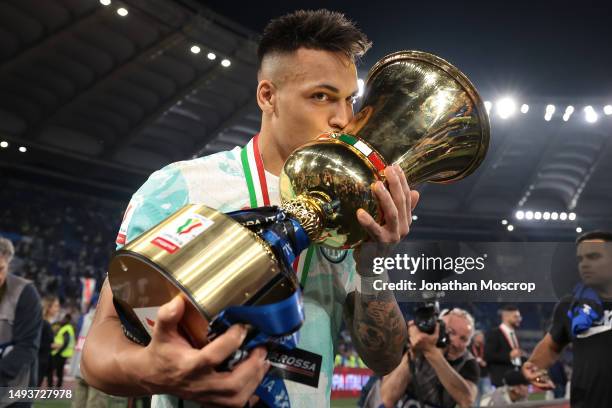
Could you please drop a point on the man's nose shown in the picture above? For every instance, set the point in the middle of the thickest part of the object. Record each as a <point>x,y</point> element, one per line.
<point>342,116</point>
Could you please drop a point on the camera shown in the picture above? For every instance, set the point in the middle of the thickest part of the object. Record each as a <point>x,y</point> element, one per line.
<point>426,315</point>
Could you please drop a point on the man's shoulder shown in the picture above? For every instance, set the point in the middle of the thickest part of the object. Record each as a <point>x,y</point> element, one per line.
<point>209,180</point>
<point>24,286</point>
<point>29,294</point>
<point>225,161</point>
<point>563,305</point>
<point>16,280</point>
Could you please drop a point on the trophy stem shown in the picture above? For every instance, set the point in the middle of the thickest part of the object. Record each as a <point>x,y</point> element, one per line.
<point>311,211</point>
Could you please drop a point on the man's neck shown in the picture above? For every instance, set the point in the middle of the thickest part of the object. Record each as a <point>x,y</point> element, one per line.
<point>508,326</point>
<point>271,154</point>
<point>605,294</point>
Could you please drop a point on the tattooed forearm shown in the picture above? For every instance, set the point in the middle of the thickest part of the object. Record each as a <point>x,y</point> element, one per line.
<point>377,328</point>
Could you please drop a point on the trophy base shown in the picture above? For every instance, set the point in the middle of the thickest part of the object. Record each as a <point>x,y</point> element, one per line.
<point>217,263</point>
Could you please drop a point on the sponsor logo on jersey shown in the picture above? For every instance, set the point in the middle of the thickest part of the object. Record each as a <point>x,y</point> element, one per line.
<point>334,255</point>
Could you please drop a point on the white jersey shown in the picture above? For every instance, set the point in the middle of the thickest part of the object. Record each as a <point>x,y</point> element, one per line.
<point>218,181</point>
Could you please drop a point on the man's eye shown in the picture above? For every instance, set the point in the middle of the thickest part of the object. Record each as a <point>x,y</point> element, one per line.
<point>320,97</point>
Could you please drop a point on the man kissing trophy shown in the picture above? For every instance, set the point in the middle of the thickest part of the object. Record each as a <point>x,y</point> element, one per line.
<point>418,112</point>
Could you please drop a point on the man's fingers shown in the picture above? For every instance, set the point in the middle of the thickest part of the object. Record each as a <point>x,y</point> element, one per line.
<point>168,316</point>
<point>414,199</point>
<point>387,206</point>
<point>402,178</point>
<point>369,224</point>
<point>221,348</point>
<point>236,387</point>
<point>397,193</point>
<point>251,371</point>
<point>410,197</point>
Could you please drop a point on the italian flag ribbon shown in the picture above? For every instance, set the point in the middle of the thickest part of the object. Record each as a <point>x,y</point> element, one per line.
<point>370,154</point>
<point>259,196</point>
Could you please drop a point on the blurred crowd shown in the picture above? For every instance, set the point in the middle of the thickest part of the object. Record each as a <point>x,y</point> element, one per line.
<point>59,237</point>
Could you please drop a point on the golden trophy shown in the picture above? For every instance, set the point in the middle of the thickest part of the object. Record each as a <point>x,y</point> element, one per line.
<point>418,111</point>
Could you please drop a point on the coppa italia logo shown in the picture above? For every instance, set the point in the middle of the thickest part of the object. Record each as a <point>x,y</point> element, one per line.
<point>180,232</point>
<point>188,226</point>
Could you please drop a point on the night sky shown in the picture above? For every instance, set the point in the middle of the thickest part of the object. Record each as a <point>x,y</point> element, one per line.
<point>536,49</point>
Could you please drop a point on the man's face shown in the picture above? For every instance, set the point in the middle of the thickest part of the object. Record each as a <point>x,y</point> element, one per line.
<point>4,265</point>
<point>459,333</point>
<point>512,318</point>
<point>518,392</point>
<point>478,339</point>
<point>55,309</point>
<point>595,263</point>
<point>314,93</point>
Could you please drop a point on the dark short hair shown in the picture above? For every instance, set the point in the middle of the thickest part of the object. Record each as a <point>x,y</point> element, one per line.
<point>595,235</point>
<point>509,308</point>
<point>314,29</point>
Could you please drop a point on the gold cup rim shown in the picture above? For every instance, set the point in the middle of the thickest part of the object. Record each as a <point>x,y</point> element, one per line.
<point>467,85</point>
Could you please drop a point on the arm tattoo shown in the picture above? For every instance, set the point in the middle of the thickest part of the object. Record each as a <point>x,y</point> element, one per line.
<point>377,328</point>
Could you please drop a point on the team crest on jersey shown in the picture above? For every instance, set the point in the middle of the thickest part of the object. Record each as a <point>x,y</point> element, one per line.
<point>334,255</point>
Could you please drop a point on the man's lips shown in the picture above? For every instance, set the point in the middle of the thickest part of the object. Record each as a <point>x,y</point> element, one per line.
<point>586,274</point>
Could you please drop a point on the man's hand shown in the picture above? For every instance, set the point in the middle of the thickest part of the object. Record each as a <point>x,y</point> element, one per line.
<point>375,320</point>
<point>422,342</point>
<point>169,364</point>
<point>516,353</point>
<point>396,204</point>
<point>537,376</point>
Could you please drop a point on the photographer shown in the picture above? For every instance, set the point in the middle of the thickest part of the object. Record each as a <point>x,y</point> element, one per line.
<point>432,376</point>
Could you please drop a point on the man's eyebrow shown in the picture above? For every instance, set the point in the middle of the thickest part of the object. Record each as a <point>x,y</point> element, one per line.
<point>335,90</point>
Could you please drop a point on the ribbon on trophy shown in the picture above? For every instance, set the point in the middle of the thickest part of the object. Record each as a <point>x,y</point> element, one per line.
<point>275,325</point>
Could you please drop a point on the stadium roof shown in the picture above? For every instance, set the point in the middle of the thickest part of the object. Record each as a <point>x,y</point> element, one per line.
<point>101,93</point>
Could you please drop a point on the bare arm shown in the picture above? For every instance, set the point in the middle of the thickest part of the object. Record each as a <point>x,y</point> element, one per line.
<point>168,364</point>
<point>546,352</point>
<point>395,383</point>
<point>544,355</point>
<point>111,371</point>
<point>377,328</point>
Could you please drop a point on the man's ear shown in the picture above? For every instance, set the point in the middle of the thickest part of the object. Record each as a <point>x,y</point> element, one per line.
<point>266,96</point>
